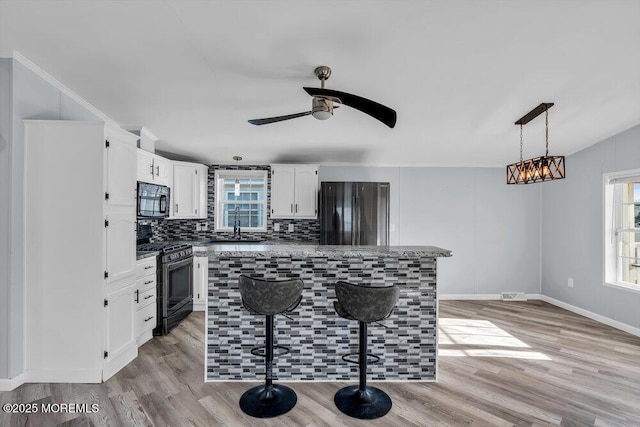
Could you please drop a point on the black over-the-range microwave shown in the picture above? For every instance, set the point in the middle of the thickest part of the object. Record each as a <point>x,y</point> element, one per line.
<point>153,200</point>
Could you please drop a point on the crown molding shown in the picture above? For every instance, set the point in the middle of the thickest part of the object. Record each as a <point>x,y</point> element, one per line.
<point>26,62</point>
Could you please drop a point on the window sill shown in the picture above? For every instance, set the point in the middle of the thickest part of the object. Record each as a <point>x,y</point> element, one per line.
<point>242,230</point>
<point>624,287</point>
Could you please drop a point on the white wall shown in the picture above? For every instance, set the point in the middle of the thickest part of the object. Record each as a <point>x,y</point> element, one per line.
<point>572,245</point>
<point>30,97</point>
<point>493,229</point>
<point>5,221</point>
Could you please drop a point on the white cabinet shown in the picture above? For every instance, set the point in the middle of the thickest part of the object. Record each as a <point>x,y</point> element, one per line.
<point>120,346</point>
<point>294,191</point>
<point>189,190</point>
<point>200,281</point>
<point>152,168</point>
<point>79,234</point>
<point>120,229</point>
<point>145,300</point>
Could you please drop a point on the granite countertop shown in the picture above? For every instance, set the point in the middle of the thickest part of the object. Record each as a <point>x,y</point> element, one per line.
<point>143,255</point>
<point>306,250</point>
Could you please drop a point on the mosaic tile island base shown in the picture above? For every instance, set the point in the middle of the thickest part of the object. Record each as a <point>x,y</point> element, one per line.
<point>317,336</point>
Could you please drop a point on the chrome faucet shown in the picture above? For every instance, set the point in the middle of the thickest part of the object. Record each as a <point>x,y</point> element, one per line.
<point>236,223</point>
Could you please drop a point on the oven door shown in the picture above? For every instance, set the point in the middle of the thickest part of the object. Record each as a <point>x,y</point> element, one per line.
<point>178,285</point>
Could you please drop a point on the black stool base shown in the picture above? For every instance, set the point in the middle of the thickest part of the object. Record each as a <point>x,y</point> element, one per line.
<point>260,403</point>
<point>374,403</point>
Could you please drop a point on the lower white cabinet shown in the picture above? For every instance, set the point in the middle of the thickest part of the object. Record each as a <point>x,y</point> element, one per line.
<point>200,282</point>
<point>145,300</point>
<point>120,333</point>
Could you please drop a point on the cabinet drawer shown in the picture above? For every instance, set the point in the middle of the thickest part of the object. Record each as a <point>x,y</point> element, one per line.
<point>145,319</point>
<point>145,266</point>
<point>146,282</point>
<point>146,297</point>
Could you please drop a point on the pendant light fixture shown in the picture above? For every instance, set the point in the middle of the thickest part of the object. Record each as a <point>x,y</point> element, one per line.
<point>539,169</point>
<point>236,187</point>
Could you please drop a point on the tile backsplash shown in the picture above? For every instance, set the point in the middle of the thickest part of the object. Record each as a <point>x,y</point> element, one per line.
<point>307,230</point>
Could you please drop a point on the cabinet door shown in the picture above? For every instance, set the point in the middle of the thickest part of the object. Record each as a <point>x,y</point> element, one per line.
<point>203,191</point>
<point>185,191</point>
<point>120,345</point>
<point>120,248</point>
<point>306,191</point>
<point>161,170</point>
<point>145,169</point>
<point>282,191</point>
<point>121,158</point>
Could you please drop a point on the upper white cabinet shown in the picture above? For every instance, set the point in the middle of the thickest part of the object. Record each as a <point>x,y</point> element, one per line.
<point>79,234</point>
<point>189,190</point>
<point>294,191</point>
<point>152,168</point>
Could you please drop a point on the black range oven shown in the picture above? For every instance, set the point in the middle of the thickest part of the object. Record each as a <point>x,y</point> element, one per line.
<point>174,277</point>
<point>175,302</point>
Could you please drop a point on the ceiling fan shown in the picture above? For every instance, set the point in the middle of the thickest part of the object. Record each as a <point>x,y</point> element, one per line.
<point>323,99</point>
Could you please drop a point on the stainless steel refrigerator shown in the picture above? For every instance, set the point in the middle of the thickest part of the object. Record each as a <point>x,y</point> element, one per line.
<point>354,213</point>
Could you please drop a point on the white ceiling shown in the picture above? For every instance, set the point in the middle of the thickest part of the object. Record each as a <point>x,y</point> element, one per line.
<point>458,73</point>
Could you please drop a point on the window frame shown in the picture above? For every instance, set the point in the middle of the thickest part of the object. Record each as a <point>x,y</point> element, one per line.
<point>612,221</point>
<point>219,176</point>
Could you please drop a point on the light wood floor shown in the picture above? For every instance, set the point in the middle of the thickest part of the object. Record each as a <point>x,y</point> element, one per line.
<point>501,363</point>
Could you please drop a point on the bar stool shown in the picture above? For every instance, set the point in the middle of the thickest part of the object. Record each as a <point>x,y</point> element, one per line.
<point>268,298</point>
<point>365,304</point>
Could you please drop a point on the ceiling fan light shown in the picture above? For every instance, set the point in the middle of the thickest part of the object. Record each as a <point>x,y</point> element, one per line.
<point>321,115</point>
<point>321,109</point>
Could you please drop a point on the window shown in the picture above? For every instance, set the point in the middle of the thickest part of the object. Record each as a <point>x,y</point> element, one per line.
<point>241,196</point>
<point>622,229</point>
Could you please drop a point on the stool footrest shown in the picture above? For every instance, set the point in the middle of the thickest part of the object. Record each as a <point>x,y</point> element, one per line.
<point>256,351</point>
<point>375,359</point>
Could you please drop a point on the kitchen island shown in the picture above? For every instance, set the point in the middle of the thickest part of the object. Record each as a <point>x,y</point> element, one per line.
<point>317,336</point>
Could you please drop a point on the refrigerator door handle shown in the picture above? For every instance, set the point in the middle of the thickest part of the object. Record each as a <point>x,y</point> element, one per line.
<point>354,225</point>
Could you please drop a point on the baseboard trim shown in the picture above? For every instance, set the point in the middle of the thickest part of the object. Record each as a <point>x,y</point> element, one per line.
<point>593,316</point>
<point>468,297</point>
<point>11,383</point>
<point>63,376</point>
<point>479,297</point>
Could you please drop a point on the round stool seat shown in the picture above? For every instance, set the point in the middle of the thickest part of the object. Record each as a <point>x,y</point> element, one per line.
<point>270,297</point>
<point>365,303</point>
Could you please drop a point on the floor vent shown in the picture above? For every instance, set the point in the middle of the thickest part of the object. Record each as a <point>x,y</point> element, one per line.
<point>513,296</point>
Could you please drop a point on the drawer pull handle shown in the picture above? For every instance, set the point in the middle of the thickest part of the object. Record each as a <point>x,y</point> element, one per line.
<point>148,281</point>
<point>148,267</point>
<point>148,296</point>
<point>148,318</point>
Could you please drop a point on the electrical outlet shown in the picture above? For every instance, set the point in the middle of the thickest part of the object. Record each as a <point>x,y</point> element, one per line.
<point>204,226</point>
<point>290,228</point>
<point>570,282</point>
<point>197,226</point>
<point>276,226</point>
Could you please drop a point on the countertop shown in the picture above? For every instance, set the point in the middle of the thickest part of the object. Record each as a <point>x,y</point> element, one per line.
<point>274,249</point>
<point>143,255</point>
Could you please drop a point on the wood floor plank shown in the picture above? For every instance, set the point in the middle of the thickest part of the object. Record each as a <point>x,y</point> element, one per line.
<point>523,363</point>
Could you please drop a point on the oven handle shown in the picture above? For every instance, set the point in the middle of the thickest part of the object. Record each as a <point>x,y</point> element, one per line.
<point>172,265</point>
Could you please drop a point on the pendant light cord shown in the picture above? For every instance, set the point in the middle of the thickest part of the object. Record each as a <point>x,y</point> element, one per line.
<point>546,126</point>
<point>520,142</point>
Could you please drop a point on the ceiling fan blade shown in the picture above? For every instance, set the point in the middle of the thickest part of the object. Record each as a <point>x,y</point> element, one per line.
<point>268,120</point>
<point>378,111</point>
